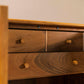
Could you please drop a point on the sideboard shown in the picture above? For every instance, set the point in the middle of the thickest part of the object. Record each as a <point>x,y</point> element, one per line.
<point>40,52</point>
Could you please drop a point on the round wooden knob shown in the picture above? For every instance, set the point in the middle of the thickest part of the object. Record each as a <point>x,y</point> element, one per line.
<point>75,62</point>
<point>26,65</point>
<point>69,41</point>
<point>20,41</point>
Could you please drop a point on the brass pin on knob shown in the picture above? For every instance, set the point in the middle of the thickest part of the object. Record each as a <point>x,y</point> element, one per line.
<point>26,65</point>
<point>69,41</point>
<point>75,62</point>
<point>20,41</point>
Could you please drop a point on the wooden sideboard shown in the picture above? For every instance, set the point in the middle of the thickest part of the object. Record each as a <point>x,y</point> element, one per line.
<point>40,52</point>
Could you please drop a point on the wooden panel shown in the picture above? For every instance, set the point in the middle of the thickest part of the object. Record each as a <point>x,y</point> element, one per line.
<point>3,45</point>
<point>64,41</point>
<point>26,41</point>
<point>34,65</point>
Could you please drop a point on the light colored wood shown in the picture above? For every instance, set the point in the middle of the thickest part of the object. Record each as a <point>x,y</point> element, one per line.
<point>19,21</point>
<point>45,64</point>
<point>69,41</point>
<point>3,45</point>
<point>75,62</point>
<point>46,42</point>
<point>26,65</point>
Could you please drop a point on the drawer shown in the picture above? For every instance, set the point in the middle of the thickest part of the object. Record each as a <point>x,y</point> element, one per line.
<point>34,65</point>
<point>64,41</point>
<point>26,41</point>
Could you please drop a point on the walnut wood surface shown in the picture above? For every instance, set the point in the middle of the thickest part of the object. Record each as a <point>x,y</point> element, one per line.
<point>44,64</point>
<point>57,41</point>
<point>3,45</point>
<point>32,41</point>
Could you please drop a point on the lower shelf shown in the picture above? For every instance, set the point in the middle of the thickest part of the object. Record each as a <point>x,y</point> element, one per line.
<point>69,79</point>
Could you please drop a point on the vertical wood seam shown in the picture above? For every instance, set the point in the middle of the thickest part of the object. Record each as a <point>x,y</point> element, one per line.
<point>46,42</point>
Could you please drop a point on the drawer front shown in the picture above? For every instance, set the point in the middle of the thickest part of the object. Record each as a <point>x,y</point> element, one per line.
<point>64,41</point>
<point>26,41</point>
<point>33,65</point>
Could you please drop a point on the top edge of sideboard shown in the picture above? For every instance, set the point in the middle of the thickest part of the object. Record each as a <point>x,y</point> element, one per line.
<point>44,23</point>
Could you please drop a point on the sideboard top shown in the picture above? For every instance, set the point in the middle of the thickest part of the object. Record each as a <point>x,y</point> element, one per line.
<point>45,23</point>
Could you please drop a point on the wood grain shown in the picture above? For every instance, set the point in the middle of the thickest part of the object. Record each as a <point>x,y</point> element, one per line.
<point>45,64</point>
<point>58,41</point>
<point>31,41</point>
<point>3,45</point>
